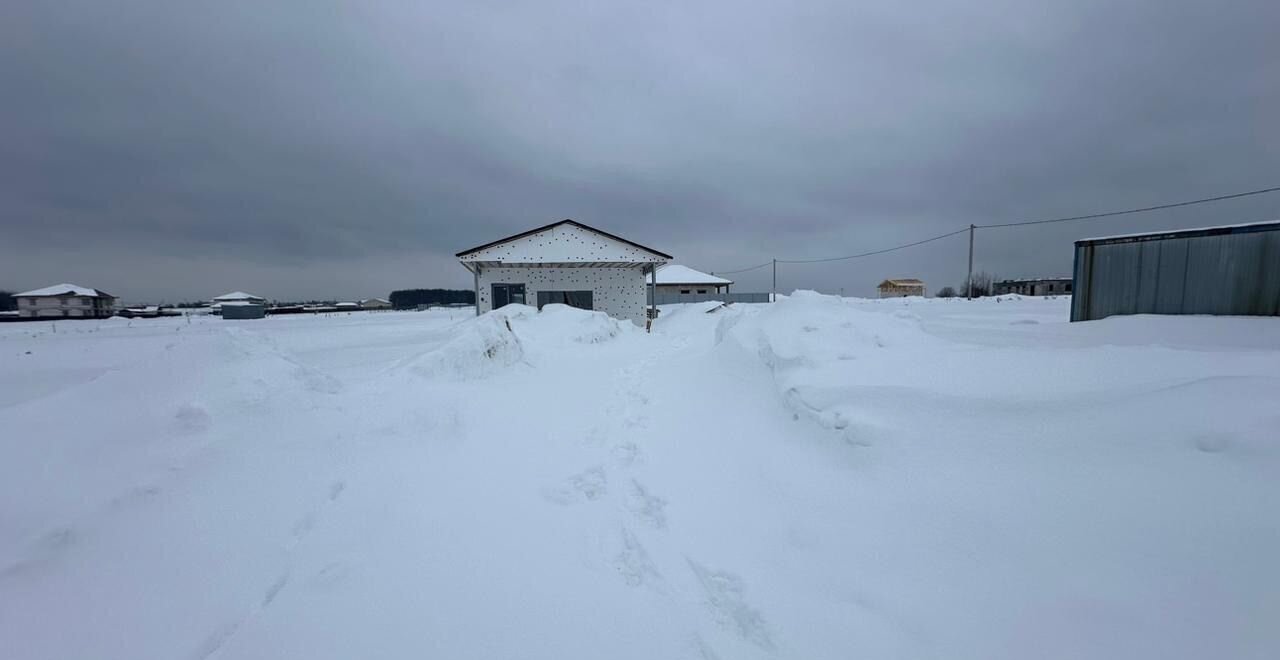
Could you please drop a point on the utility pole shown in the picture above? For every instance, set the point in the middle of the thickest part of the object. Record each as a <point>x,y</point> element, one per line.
<point>774,297</point>
<point>968,281</point>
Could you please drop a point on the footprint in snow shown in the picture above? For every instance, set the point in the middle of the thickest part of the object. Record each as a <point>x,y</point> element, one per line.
<point>725,597</point>
<point>649,508</point>
<point>633,563</point>
<point>587,485</point>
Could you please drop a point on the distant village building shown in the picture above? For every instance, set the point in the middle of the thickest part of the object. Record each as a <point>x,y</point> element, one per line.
<point>65,301</point>
<point>1043,286</point>
<point>565,262</point>
<point>235,297</point>
<point>683,280</point>
<point>348,306</point>
<point>1228,270</point>
<point>375,303</point>
<point>901,288</point>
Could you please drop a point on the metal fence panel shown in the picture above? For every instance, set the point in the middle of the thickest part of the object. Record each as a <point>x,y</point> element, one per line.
<point>1230,272</point>
<point>664,298</point>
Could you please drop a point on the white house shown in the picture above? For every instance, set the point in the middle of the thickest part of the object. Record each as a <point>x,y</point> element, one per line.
<point>683,280</point>
<point>564,262</point>
<point>65,301</point>
<point>375,303</point>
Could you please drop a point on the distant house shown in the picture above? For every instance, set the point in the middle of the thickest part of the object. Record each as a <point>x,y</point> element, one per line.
<point>348,306</point>
<point>565,262</point>
<point>235,297</point>
<point>375,303</point>
<point>678,279</point>
<point>65,301</point>
<point>901,288</point>
<point>1042,286</point>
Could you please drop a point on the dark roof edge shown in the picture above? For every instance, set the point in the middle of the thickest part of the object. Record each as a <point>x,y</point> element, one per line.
<point>575,223</point>
<point>1182,233</point>
<point>100,294</point>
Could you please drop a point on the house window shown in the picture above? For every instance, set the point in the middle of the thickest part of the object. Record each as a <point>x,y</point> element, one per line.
<point>84,302</point>
<point>507,294</point>
<point>579,299</point>
<point>684,291</point>
<point>702,290</point>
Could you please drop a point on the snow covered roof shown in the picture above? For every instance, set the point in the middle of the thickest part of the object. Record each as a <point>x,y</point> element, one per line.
<point>238,295</point>
<point>678,274</point>
<point>64,290</point>
<point>906,281</point>
<point>238,303</point>
<point>375,300</point>
<point>1246,227</point>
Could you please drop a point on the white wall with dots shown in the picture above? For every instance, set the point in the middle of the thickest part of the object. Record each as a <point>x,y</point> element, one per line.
<point>618,292</point>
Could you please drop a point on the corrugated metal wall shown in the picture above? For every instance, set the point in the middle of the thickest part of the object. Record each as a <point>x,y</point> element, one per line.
<point>665,298</point>
<point>1230,272</point>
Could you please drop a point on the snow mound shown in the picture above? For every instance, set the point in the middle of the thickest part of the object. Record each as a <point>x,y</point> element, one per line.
<point>578,325</point>
<point>812,344</point>
<point>483,346</point>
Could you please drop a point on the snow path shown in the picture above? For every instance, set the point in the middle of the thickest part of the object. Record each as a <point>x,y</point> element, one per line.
<point>819,478</point>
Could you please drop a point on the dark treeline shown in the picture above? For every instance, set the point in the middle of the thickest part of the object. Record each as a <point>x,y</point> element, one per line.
<point>411,298</point>
<point>7,303</point>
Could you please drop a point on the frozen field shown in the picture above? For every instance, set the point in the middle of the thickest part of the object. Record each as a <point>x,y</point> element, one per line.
<point>820,478</point>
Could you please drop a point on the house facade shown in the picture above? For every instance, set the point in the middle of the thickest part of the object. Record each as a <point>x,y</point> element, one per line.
<point>566,262</point>
<point>375,303</point>
<point>63,301</point>
<point>1044,286</point>
<point>901,288</point>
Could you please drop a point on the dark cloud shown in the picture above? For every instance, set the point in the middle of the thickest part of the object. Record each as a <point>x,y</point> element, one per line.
<point>332,149</point>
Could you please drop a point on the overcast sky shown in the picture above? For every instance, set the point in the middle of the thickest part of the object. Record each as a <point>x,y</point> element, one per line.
<point>166,150</point>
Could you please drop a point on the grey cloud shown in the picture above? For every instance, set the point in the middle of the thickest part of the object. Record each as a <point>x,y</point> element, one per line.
<point>325,149</point>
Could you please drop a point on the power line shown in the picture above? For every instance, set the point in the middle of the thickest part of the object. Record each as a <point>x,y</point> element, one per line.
<point>743,270</point>
<point>1091,216</point>
<point>1128,211</point>
<point>873,252</point>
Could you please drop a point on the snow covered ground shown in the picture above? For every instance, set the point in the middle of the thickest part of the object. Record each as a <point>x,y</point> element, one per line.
<point>819,478</point>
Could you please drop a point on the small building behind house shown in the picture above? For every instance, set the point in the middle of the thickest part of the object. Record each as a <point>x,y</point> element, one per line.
<point>565,262</point>
<point>348,306</point>
<point>1226,270</point>
<point>375,303</point>
<point>677,279</point>
<point>236,310</point>
<point>1042,286</point>
<point>65,301</point>
<point>900,288</point>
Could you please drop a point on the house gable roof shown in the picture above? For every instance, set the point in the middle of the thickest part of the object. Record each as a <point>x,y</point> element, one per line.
<point>63,290</point>
<point>563,233</point>
<point>906,281</point>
